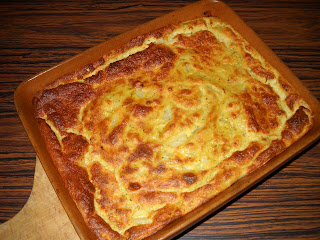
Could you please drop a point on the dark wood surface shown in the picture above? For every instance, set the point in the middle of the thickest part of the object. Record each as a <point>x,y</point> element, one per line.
<point>36,35</point>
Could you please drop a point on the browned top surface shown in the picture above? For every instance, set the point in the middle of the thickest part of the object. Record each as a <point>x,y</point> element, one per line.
<point>302,183</point>
<point>165,122</point>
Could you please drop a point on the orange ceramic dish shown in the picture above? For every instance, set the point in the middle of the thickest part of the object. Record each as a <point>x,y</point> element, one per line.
<point>144,139</point>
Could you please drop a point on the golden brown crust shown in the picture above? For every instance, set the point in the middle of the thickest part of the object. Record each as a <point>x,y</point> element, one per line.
<point>164,123</point>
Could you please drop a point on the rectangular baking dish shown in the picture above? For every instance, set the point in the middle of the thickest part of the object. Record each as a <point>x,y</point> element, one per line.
<point>24,94</point>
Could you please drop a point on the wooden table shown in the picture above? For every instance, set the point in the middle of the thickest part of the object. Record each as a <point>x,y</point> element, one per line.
<point>36,35</point>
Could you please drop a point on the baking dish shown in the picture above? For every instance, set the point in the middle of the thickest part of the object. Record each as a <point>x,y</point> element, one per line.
<point>25,92</point>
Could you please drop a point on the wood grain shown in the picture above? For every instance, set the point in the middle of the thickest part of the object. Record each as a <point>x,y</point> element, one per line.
<point>43,216</point>
<point>37,35</point>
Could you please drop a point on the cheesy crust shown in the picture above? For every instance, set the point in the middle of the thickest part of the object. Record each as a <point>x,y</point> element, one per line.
<point>164,123</point>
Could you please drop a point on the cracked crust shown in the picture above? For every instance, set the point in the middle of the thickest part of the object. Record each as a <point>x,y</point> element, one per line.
<point>161,125</point>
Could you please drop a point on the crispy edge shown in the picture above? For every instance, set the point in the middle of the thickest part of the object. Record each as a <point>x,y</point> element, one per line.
<point>77,182</point>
